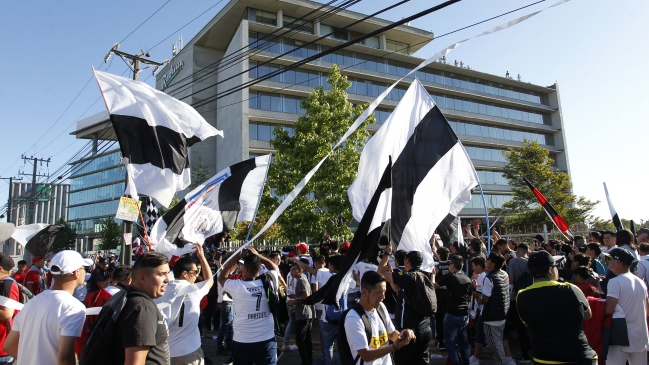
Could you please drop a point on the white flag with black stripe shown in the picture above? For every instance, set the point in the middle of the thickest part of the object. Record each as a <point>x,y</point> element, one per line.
<point>155,132</point>
<point>432,175</point>
<point>617,222</point>
<point>229,197</point>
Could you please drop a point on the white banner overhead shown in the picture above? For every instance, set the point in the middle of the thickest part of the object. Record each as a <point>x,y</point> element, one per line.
<point>370,109</point>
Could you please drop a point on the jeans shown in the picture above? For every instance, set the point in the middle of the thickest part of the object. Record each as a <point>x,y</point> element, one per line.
<point>455,332</point>
<point>289,326</point>
<point>303,340</point>
<point>7,360</point>
<point>225,329</point>
<point>260,353</point>
<point>329,335</point>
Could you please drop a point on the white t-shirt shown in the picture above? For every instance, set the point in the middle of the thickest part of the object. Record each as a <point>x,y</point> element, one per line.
<point>223,296</point>
<point>487,287</point>
<point>361,268</point>
<point>357,339</point>
<point>290,284</point>
<point>46,317</point>
<point>112,290</point>
<point>631,293</point>
<point>321,278</point>
<point>186,339</point>
<point>253,321</point>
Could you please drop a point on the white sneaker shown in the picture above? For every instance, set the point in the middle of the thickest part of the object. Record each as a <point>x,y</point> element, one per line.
<point>510,361</point>
<point>474,360</point>
<point>293,347</point>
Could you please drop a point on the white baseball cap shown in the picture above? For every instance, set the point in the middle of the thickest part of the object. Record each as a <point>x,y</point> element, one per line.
<point>67,262</point>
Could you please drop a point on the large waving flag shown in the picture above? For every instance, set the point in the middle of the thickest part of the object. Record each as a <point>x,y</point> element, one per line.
<point>37,238</point>
<point>557,219</point>
<point>229,197</point>
<point>155,132</point>
<point>432,175</point>
<point>617,222</point>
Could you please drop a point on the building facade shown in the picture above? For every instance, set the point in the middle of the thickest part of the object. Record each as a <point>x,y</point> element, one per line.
<point>50,206</point>
<point>489,113</point>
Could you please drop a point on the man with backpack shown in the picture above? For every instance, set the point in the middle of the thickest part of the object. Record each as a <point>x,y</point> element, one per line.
<point>416,302</point>
<point>254,322</point>
<point>9,290</point>
<point>367,327</point>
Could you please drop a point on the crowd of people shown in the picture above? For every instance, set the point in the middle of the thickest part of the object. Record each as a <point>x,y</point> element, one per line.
<point>582,301</point>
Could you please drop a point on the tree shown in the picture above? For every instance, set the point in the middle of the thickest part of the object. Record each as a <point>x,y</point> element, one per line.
<point>533,162</point>
<point>110,234</point>
<point>66,239</point>
<point>200,174</point>
<point>323,203</point>
<point>273,233</point>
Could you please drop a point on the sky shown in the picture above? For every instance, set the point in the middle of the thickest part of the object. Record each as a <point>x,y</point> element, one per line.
<point>596,50</point>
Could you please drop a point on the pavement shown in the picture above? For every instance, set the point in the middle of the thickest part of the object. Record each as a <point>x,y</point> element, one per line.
<point>293,357</point>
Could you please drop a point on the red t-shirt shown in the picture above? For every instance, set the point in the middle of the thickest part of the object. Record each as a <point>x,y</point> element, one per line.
<point>95,298</point>
<point>19,276</point>
<point>31,281</point>
<point>588,290</point>
<point>10,292</point>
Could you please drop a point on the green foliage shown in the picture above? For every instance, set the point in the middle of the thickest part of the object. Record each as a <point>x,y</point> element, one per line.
<point>66,239</point>
<point>273,233</point>
<point>533,162</point>
<point>323,204</point>
<point>110,234</point>
<point>599,224</point>
<point>200,174</point>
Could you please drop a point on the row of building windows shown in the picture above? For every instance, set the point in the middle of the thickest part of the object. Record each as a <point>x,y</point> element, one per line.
<point>108,208</point>
<point>89,226</point>
<point>486,154</point>
<point>493,201</point>
<point>264,131</point>
<point>99,178</point>
<point>101,193</point>
<point>373,63</point>
<point>490,109</point>
<point>274,102</point>
<point>474,129</point>
<point>113,158</point>
<point>492,177</point>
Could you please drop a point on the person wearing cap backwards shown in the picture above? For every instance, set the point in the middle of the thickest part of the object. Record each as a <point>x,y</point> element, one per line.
<point>554,313</point>
<point>403,282</point>
<point>45,330</point>
<point>628,293</point>
<point>34,280</point>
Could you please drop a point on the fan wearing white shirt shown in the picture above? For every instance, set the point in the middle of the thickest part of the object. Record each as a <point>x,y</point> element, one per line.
<point>183,319</point>
<point>254,333</point>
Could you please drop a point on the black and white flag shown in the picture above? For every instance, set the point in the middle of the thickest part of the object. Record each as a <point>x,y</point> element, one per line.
<point>617,222</point>
<point>229,197</point>
<point>37,238</point>
<point>432,174</point>
<point>155,132</point>
<point>151,215</point>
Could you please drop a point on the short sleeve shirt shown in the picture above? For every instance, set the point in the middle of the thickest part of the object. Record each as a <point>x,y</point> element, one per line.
<point>554,315</point>
<point>303,311</point>
<point>9,290</point>
<point>631,294</point>
<point>357,337</point>
<point>405,317</point>
<point>516,267</point>
<point>459,289</point>
<point>142,324</point>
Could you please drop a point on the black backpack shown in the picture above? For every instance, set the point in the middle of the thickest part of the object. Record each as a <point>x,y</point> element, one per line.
<point>271,288</point>
<point>526,279</point>
<point>344,350</point>
<point>423,300</point>
<point>98,348</point>
<point>24,294</point>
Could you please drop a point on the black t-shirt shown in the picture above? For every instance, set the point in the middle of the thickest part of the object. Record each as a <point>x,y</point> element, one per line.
<point>554,315</point>
<point>405,317</point>
<point>98,275</point>
<point>458,289</point>
<point>142,324</point>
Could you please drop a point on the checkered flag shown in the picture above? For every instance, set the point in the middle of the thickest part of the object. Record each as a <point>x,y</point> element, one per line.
<point>151,215</point>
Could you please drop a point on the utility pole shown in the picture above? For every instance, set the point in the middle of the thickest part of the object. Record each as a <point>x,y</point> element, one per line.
<point>32,195</point>
<point>142,57</point>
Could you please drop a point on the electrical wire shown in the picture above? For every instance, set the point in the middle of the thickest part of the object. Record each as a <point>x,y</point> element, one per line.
<point>145,20</point>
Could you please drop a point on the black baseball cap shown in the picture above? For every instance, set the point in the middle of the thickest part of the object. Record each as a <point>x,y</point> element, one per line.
<point>101,260</point>
<point>6,262</point>
<point>621,254</point>
<point>416,258</point>
<point>540,261</point>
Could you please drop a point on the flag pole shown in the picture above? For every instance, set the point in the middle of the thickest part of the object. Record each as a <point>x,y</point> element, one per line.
<point>486,213</point>
<point>252,222</point>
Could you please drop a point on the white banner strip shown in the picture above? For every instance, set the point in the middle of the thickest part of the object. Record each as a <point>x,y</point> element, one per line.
<point>370,109</point>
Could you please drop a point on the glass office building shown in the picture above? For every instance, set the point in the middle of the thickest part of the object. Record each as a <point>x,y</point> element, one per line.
<point>96,184</point>
<point>490,113</point>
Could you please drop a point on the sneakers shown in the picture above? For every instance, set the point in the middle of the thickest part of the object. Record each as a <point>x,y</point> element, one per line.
<point>474,360</point>
<point>525,360</point>
<point>293,347</point>
<point>285,348</point>
<point>228,361</point>
<point>510,361</point>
